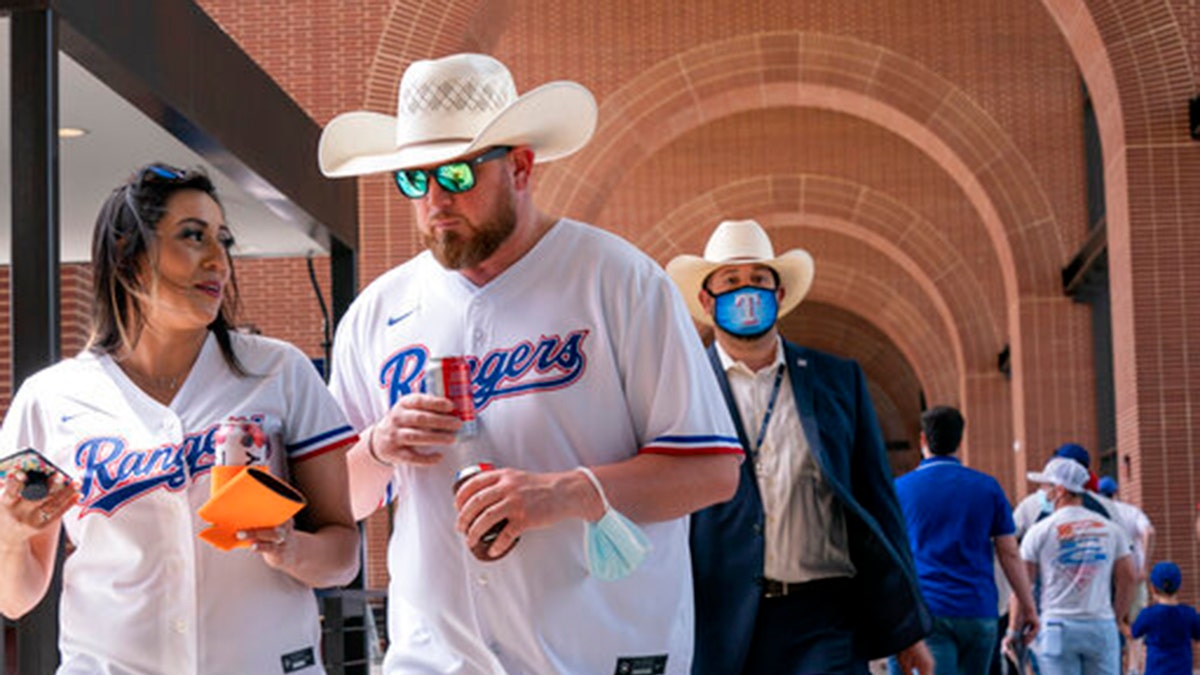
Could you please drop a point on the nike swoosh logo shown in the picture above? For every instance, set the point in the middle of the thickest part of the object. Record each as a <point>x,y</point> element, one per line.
<point>68,418</point>
<point>393,320</point>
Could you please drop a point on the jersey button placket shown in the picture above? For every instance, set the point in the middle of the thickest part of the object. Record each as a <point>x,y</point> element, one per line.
<point>183,575</point>
<point>476,328</point>
<point>476,334</point>
<point>480,583</point>
<point>183,563</point>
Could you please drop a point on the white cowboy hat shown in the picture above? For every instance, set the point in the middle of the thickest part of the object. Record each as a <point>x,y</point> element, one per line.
<point>736,242</point>
<point>451,107</point>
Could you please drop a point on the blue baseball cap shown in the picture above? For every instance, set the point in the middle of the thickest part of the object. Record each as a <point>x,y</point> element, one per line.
<point>1075,452</point>
<point>1108,486</point>
<point>1166,577</point>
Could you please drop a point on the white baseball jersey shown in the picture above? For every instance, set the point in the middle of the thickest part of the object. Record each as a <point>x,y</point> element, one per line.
<point>141,593</point>
<point>582,353</point>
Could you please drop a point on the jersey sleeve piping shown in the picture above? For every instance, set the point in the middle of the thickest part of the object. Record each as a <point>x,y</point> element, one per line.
<point>694,445</point>
<point>322,443</point>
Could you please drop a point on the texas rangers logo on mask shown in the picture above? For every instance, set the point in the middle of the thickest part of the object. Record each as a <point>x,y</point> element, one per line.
<point>114,474</point>
<point>525,368</point>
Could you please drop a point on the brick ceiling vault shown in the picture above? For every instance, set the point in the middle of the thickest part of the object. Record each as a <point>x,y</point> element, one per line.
<point>837,73</point>
<point>810,70</point>
<point>764,71</point>
<point>809,210</point>
<point>423,30</point>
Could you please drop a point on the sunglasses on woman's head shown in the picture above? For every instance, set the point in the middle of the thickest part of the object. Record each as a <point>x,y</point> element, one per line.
<point>152,173</point>
<point>454,177</point>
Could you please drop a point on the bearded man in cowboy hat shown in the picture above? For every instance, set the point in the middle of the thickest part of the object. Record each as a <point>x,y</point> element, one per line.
<point>589,385</point>
<point>807,569</point>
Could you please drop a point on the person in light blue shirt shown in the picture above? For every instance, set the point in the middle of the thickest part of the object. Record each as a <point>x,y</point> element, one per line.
<point>958,519</point>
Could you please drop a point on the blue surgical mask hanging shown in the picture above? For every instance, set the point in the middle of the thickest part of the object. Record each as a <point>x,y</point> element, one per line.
<point>614,545</point>
<point>746,312</point>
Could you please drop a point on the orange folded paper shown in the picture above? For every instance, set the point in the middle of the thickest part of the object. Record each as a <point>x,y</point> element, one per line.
<point>246,498</point>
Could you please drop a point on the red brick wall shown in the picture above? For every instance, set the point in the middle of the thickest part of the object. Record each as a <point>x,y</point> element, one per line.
<point>75,302</point>
<point>278,299</point>
<point>75,298</point>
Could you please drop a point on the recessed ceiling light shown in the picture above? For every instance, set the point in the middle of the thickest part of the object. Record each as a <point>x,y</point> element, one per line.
<point>71,132</point>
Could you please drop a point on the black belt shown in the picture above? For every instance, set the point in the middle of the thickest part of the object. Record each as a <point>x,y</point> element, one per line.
<point>772,588</point>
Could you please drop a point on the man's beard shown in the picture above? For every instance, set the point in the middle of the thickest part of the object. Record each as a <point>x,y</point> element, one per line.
<point>456,251</point>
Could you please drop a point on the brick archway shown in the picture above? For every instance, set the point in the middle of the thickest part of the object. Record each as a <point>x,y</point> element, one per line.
<point>837,73</point>
<point>1140,66</point>
<point>848,76</point>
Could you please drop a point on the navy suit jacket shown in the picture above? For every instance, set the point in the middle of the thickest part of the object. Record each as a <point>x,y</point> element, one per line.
<point>727,543</point>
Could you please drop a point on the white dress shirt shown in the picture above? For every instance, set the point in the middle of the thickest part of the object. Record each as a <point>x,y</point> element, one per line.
<point>805,527</point>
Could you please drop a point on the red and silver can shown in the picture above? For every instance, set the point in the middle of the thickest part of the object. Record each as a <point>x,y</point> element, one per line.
<point>237,444</point>
<point>480,549</point>
<point>240,442</point>
<point>450,377</point>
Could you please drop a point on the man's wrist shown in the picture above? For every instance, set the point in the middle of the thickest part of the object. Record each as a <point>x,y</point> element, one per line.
<point>592,501</point>
<point>371,448</point>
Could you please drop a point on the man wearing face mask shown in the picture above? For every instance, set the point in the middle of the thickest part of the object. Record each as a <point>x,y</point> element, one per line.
<point>1037,505</point>
<point>807,569</point>
<point>1085,567</point>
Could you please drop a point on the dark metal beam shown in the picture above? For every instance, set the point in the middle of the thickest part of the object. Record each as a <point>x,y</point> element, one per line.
<point>35,309</point>
<point>9,6</point>
<point>1091,257</point>
<point>343,265</point>
<point>176,65</point>
<point>35,216</point>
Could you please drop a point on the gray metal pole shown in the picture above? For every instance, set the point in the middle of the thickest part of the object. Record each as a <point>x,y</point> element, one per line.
<point>35,280</point>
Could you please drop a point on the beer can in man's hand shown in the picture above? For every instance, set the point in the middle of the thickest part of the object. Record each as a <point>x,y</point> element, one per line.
<point>480,549</point>
<point>450,377</point>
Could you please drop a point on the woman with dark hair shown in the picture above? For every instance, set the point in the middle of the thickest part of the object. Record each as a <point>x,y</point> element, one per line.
<point>135,423</point>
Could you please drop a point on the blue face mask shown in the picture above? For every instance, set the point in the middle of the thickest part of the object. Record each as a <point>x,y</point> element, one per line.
<point>1044,503</point>
<point>614,546</point>
<point>746,312</point>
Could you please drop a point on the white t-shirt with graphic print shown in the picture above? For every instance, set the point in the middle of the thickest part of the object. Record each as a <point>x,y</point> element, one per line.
<point>1075,550</point>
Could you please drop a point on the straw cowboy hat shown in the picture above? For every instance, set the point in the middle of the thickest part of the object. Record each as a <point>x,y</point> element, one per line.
<point>736,242</point>
<point>451,107</point>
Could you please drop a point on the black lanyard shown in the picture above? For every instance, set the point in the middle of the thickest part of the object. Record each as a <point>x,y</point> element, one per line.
<point>762,431</point>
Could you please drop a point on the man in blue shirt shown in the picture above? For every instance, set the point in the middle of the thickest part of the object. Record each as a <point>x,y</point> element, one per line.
<point>960,522</point>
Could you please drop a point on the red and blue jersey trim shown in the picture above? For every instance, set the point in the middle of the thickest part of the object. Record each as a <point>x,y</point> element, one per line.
<point>322,443</point>
<point>694,445</point>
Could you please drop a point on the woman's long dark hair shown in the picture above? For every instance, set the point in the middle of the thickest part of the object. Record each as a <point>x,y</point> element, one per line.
<point>121,243</point>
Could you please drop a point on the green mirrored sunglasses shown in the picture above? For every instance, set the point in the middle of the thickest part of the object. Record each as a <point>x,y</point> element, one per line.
<point>454,177</point>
